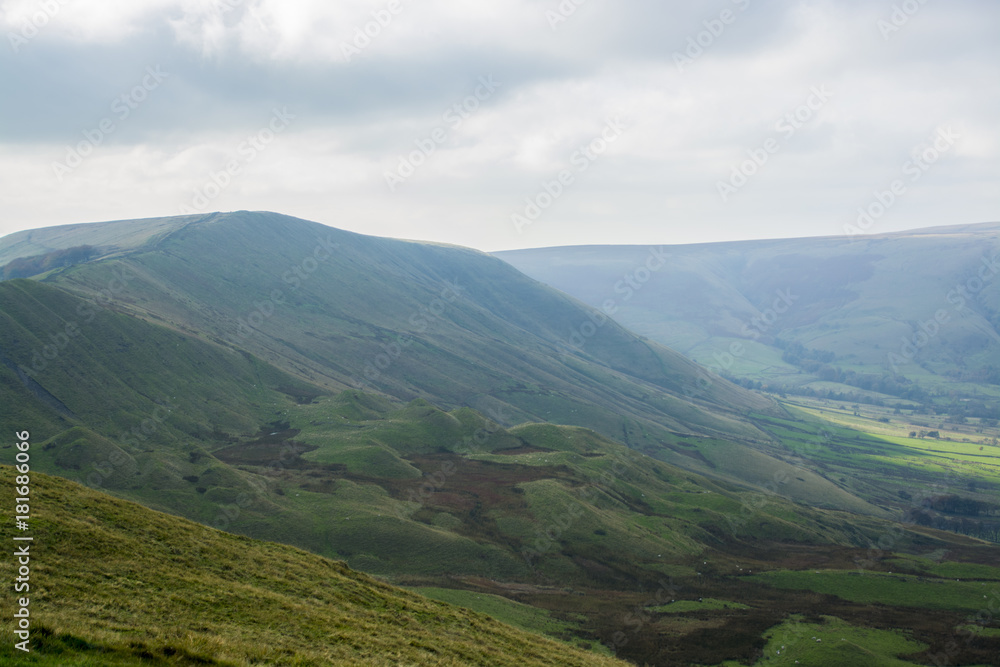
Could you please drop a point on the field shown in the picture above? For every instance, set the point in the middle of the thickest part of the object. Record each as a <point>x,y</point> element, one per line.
<point>946,476</point>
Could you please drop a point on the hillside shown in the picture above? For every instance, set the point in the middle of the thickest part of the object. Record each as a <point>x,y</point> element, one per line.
<point>136,378</point>
<point>114,583</point>
<point>912,315</point>
<point>450,325</point>
<point>355,317</point>
<point>195,428</point>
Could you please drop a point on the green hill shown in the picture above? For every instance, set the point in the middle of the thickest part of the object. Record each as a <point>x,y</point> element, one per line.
<point>194,428</point>
<point>342,310</point>
<point>113,583</point>
<point>576,491</point>
<point>912,315</point>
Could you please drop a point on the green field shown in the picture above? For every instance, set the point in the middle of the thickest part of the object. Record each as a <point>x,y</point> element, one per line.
<point>882,588</point>
<point>834,643</point>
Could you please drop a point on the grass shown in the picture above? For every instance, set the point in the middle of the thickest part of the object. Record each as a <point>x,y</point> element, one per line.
<point>872,460</point>
<point>889,589</point>
<point>834,643</point>
<point>508,611</point>
<point>116,581</point>
<point>393,487</point>
<point>495,342</point>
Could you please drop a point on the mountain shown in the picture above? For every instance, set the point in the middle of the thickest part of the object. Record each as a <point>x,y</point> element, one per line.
<point>912,315</point>
<point>214,367</point>
<point>217,435</point>
<point>329,310</point>
<point>114,583</point>
<point>411,320</point>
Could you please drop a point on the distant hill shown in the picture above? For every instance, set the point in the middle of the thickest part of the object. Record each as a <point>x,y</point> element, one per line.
<point>114,583</point>
<point>913,315</point>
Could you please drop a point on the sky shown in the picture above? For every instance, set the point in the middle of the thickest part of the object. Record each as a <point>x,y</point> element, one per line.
<point>501,125</point>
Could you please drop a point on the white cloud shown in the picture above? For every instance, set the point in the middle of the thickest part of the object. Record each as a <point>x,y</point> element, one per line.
<point>657,183</point>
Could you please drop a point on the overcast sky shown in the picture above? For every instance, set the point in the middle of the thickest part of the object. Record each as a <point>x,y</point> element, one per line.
<point>622,121</point>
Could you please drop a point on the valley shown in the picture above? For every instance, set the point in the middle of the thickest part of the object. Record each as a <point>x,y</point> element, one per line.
<point>907,319</point>
<point>420,413</point>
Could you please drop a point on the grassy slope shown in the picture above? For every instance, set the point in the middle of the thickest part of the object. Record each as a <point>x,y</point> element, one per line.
<point>350,496</point>
<point>347,489</point>
<point>600,524</point>
<point>495,346</point>
<point>114,582</point>
<point>594,514</point>
<point>849,299</point>
<point>493,349</point>
<point>139,402</point>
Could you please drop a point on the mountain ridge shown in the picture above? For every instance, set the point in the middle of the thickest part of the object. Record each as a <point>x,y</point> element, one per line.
<point>853,323</point>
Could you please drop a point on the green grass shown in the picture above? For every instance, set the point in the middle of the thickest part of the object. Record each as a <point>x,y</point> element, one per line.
<point>835,643</point>
<point>607,529</point>
<point>114,576</point>
<point>888,589</point>
<point>503,609</point>
<point>873,461</point>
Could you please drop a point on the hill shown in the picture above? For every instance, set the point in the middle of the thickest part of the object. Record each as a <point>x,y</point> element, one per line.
<point>114,583</point>
<point>910,315</point>
<point>158,372</point>
<point>449,325</point>
<point>357,317</point>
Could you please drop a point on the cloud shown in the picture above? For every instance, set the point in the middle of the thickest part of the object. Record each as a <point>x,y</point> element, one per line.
<point>702,87</point>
